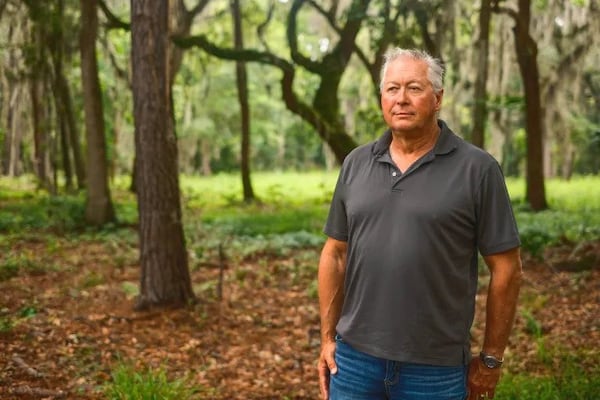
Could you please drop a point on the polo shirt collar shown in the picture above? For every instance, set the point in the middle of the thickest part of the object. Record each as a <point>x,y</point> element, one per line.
<point>446,143</point>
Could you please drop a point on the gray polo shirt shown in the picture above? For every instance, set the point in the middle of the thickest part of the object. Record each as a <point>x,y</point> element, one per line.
<point>413,238</point>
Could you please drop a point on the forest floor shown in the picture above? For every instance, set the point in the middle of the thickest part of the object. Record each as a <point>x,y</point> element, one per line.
<point>252,335</point>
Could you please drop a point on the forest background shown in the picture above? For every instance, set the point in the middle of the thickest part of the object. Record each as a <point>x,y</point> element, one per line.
<point>182,153</point>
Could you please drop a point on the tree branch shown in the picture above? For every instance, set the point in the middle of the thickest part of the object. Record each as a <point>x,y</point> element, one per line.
<point>260,30</point>
<point>497,8</point>
<point>330,17</point>
<point>197,9</point>
<point>291,100</point>
<point>203,43</point>
<point>292,36</point>
<point>113,21</point>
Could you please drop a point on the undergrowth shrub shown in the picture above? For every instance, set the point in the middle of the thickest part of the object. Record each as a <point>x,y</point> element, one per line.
<point>150,384</point>
<point>58,213</point>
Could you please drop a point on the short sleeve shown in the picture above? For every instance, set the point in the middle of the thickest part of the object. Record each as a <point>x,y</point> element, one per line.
<point>337,221</point>
<point>496,226</point>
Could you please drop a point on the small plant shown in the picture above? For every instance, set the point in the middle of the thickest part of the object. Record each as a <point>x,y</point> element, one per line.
<point>9,268</point>
<point>92,279</point>
<point>534,327</point>
<point>13,264</point>
<point>313,290</point>
<point>6,324</point>
<point>131,289</point>
<point>129,384</point>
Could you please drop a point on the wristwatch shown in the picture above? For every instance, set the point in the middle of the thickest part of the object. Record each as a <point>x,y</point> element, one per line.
<point>490,361</point>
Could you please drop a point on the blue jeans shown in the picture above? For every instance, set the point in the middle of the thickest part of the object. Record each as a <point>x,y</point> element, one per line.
<point>364,377</point>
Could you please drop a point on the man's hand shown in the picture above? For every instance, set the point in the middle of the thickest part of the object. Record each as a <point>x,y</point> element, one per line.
<point>326,366</point>
<point>482,380</point>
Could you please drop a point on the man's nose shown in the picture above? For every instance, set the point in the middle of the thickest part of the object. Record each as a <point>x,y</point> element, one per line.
<point>402,97</point>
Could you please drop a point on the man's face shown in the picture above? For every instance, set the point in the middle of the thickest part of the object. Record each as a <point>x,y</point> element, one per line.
<point>408,101</point>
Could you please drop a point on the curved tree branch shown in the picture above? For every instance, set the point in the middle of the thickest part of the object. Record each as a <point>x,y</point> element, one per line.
<point>328,15</point>
<point>113,21</point>
<point>292,37</point>
<point>260,29</point>
<point>290,98</point>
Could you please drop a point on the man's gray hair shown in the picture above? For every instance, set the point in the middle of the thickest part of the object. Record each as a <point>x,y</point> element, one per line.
<point>435,67</point>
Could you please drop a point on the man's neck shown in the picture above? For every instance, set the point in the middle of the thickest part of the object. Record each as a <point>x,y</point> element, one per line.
<point>414,144</point>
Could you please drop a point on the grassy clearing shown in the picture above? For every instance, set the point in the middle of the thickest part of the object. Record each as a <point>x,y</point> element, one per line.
<point>290,214</point>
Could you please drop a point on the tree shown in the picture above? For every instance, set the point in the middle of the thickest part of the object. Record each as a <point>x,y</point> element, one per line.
<point>526,49</point>
<point>324,114</point>
<point>359,29</point>
<point>480,95</point>
<point>242,86</point>
<point>51,20</point>
<point>99,208</point>
<point>165,278</point>
<point>65,110</point>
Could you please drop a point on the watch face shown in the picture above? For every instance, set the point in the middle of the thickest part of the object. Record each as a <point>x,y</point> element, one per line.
<point>490,362</point>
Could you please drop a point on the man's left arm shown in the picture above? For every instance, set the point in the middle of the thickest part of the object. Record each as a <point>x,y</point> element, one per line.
<point>503,292</point>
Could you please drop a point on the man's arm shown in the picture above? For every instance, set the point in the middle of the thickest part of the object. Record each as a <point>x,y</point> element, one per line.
<point>332,270</point>
<point>503,292</point>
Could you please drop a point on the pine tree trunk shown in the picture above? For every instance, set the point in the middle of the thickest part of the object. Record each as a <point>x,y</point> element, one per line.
<point>165,279</point>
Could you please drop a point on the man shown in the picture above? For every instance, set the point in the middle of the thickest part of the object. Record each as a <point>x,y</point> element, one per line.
<point>398,271</point>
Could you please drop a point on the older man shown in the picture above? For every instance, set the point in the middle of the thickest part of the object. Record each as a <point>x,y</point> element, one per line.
<point>398,271</point>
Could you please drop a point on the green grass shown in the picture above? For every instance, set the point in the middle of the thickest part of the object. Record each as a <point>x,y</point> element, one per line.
<point>573,216</point>
<point>149,384</point>
<point>292,208</point>
<point>569,382</point>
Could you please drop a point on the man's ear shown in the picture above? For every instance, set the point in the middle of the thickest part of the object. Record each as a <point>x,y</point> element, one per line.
<point>438,99</point>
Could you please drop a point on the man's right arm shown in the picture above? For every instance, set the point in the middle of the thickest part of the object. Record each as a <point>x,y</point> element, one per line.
<point>332,270</point>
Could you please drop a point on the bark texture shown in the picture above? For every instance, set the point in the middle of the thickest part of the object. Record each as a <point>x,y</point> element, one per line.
<point>165,279</point>
<point>99,208</point>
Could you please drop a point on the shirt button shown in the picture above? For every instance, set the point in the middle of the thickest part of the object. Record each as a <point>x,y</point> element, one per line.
<point>394,173</point>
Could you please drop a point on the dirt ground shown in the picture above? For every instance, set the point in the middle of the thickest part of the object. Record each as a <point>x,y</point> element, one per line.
<point>71,325</point>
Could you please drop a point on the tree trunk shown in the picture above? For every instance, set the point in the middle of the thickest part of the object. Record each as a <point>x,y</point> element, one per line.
<point>40,139</point>
<point>526,50</point>
<point>64,142</point>
<point>64,105</point>
<point>480,96</point>
<point>73,131</point>
<point>527,60</point>
<point>15,130</point>
<point>242,89</point>
<point>165,279</point>
<point>205,150</point>
<point>99,208</point>
<point>7,144</point>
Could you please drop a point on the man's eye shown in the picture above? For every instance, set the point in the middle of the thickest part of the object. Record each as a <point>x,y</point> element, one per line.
<point>414,88</point>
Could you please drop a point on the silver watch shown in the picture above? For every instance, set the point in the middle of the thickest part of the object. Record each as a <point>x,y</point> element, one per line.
<point>490,361</point>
